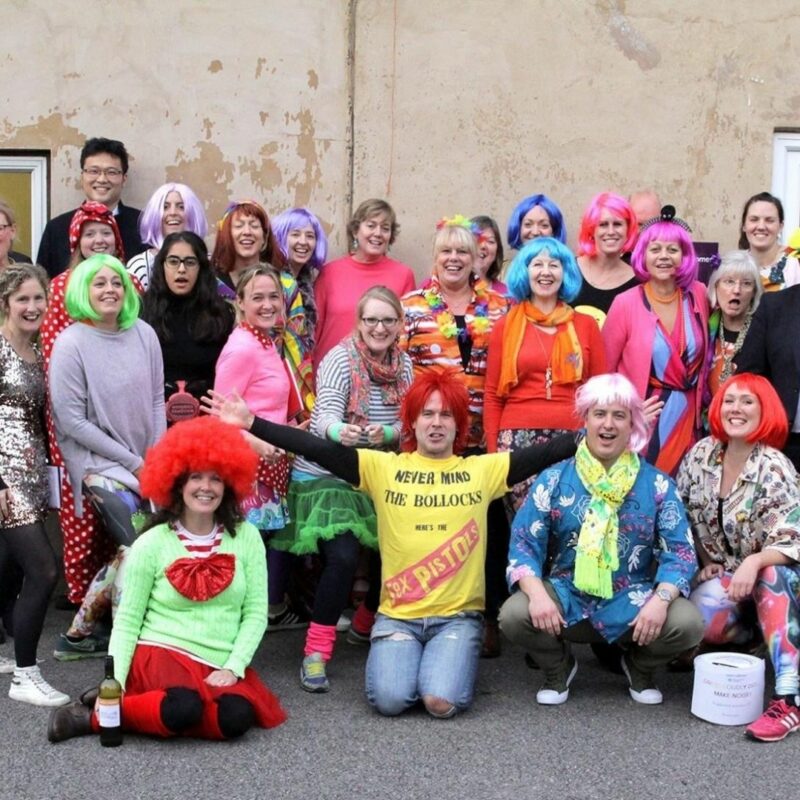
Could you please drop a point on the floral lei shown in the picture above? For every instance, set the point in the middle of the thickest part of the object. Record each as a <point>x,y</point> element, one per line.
<point>479,323</point>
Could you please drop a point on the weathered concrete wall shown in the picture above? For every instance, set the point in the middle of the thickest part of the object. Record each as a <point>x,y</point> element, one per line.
<point>458,105</point>
<point>247,99</point>
<point>468,106</point>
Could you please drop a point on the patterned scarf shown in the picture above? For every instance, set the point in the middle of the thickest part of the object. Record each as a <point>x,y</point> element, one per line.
<point>596,556</point>
<point>567,361</point>
<point>366,370</point>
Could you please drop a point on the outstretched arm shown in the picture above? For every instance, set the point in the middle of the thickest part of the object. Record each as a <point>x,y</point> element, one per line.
<point>337,459</point>
<point>532,460</point>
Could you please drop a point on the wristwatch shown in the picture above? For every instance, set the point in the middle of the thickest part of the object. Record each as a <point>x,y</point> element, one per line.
<point>664,594</point>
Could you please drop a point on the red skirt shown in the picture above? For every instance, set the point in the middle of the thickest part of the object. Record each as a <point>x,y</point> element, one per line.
<point>156,668</point>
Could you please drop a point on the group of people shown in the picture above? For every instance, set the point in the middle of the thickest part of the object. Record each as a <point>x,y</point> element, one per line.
<point>497,448</point>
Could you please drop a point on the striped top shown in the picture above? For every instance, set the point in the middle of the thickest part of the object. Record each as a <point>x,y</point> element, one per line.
<point>199,546</point>
<point>333,394</point>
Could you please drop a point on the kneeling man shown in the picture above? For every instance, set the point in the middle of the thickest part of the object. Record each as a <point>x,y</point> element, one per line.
<point>620,553</point>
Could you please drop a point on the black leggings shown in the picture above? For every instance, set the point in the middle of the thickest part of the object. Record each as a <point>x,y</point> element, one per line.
<point>339,562</point>
<point>28,547</point>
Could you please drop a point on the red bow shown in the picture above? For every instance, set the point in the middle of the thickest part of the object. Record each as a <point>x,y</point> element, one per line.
<point>202,578</point>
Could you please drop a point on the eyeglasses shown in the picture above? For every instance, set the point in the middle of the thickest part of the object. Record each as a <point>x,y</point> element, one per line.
<point>742,283</point>
<point>108,172</point>
<point>373,322</point>
<point>175,262</point>
<point>5,227</point>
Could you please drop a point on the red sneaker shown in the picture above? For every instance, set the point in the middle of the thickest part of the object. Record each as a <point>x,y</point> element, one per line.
<point>776,723</point>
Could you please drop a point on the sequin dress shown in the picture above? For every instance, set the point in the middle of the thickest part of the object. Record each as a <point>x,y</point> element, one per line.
<point>23,460</point>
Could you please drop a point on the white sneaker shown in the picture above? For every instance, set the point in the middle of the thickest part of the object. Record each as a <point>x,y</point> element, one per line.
<point>7,665</point>
<point>28,686</point>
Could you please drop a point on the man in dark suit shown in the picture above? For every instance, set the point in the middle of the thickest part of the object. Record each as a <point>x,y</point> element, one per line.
<point>104,170</point>
<point>772,349</point>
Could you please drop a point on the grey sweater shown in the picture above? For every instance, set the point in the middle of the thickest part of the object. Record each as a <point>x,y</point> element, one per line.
<point>107,397</point>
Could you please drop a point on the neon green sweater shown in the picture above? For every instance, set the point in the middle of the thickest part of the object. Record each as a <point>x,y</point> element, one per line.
<point>224,631</point>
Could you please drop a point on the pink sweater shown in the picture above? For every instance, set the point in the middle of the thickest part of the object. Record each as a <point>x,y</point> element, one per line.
<point>256,373</point>
<point>338,289</point>
<point>630,330</point>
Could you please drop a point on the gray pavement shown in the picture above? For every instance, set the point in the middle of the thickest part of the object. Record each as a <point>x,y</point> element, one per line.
<point>599,745</point>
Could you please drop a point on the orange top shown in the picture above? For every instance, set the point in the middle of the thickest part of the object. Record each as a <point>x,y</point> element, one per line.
<point>527,406</point>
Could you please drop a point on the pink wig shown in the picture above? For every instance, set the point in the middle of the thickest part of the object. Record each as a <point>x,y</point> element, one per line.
<point>604,390</point>
<point>686,274</point>
<point>619,207</point>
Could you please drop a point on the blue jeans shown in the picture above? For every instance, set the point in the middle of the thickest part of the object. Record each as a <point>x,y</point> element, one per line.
<point>428,656</point>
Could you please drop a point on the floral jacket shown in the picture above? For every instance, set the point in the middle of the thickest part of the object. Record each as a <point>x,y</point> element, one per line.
<point>761,511</point>
<point>654,537</point>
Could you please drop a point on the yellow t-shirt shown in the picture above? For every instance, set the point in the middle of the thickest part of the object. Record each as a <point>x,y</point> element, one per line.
<point>431,528</point>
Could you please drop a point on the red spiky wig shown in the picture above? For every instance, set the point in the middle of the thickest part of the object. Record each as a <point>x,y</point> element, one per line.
<point>197,445</point>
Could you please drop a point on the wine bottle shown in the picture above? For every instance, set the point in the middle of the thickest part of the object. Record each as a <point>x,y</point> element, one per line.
<point>109,707</point>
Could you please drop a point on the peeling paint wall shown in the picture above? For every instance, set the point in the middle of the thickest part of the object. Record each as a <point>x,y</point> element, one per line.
<point>469,106</point>
<point>457,105</point>
<point>241,100</point>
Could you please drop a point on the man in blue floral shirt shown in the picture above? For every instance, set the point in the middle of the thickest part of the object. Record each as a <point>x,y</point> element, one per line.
<point>602,551</point>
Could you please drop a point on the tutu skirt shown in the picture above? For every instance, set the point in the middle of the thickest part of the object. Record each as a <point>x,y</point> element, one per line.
<point>156,668</point>
<point>323,508</point>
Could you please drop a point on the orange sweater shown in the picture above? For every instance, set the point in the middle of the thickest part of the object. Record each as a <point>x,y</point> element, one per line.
<point>526,405</point>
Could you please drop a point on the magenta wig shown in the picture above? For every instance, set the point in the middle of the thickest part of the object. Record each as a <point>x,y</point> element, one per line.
<point>616,205</point>
<point>604,390</point>
<point>686,274</point>
<point>152,214</point>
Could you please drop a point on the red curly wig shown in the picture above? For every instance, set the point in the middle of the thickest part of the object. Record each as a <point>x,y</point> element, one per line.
<point>455,399</point>
<point>773,428</point>
<point>197,445</point>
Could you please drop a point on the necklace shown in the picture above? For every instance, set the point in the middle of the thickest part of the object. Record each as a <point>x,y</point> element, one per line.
<point>477,323</point>
<point>653,297</point>
<point>548,372</point>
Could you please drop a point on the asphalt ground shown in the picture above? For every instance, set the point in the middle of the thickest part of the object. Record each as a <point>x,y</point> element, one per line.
<point>600,744</point>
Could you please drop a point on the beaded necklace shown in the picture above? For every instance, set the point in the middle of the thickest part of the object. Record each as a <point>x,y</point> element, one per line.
<point>478,322</point>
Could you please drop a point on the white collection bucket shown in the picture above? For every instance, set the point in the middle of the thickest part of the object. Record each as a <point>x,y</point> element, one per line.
<point>728,688</point>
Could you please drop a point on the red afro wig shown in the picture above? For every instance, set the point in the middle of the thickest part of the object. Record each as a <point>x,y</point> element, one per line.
<point>455,399</point>
<point>197,445</point>
<point>773,428</point>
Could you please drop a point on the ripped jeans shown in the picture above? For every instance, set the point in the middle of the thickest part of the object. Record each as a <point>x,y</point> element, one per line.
<point>433,656</point>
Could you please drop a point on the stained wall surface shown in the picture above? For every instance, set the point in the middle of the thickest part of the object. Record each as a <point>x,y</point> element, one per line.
<point>457,105</point>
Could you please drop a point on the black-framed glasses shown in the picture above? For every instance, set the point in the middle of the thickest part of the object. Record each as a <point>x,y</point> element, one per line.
<point>373,322</point>
<point>189,262</point>
<point>109,172</point>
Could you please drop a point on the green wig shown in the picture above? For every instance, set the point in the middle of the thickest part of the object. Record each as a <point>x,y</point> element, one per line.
<point>76,299</point>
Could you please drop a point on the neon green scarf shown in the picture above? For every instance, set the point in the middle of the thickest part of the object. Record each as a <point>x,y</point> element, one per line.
<point>596,556</point>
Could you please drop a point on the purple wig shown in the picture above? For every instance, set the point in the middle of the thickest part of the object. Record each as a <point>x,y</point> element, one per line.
<point>605,390</point>
<point>616,205</point>
<point>152,214</point>
<point>294,219</point>
<point>686,273</point>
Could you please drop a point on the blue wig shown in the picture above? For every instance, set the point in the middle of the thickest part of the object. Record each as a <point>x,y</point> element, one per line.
<point>523,207</point>
<point>519,282</point>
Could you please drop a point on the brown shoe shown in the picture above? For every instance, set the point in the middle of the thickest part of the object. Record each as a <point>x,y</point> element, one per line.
<point>89,696</point>
<point>69,721</point>
<point>491,640</point>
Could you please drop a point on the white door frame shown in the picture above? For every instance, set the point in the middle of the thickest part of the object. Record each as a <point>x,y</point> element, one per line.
<point>786,177</point>
<point>36,167</point>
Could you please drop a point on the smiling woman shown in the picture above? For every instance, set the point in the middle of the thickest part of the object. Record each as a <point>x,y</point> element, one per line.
<point>372,229</point>
<point>252,364</point>
<point>106,416</point>
<point>656,335</point>
<point>742,499</point>
<point>539,354</point>
<point>360,385</point>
